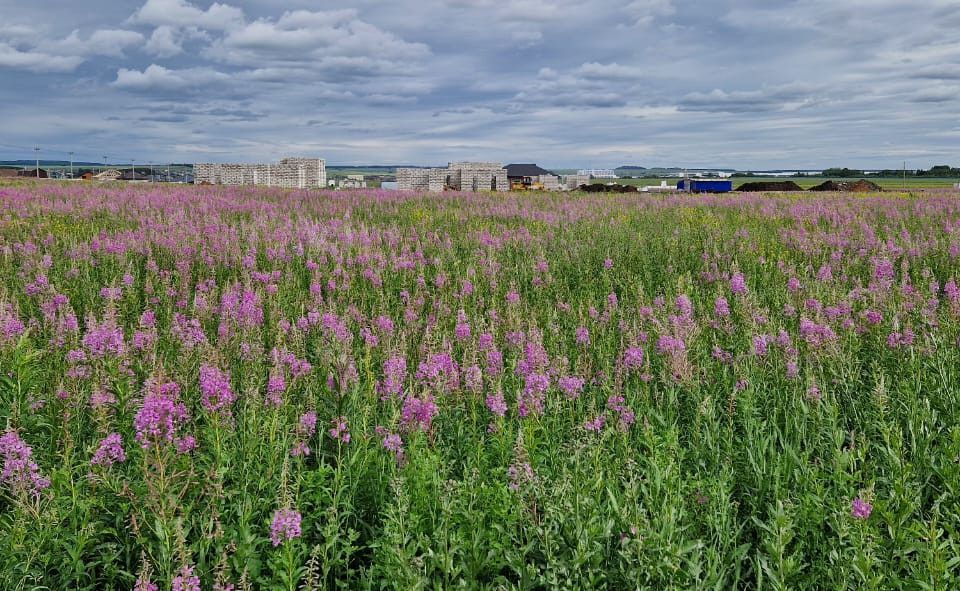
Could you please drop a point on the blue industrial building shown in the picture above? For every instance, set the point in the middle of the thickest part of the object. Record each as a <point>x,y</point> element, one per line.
<point>705,185</point>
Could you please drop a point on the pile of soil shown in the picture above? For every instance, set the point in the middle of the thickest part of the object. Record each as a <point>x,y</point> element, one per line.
<point>770,186</point>
<point>861,186</point>
<point>614,188</point>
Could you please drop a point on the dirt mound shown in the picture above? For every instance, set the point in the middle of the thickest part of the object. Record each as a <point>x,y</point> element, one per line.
<point>861,186</point>
<point>613,188</point>
<point>770,186</point>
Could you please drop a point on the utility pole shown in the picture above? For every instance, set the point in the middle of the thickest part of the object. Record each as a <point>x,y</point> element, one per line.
<point>104,164</point>
<point>37,150</point>
<point>133,168</point>
<point>904,175</point>
<point>71,165</point>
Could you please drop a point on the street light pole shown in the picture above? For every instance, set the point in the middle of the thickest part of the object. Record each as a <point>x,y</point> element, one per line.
<point>104,164</point>
<point>133,169</point>
<point>37,150</point>
<point>71,165</point>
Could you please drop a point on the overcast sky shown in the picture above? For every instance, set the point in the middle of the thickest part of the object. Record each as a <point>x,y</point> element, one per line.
<point>565,83</point>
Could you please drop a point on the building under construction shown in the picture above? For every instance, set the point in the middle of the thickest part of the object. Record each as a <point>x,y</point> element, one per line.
<point>290,173</point>
<point>457,176</point>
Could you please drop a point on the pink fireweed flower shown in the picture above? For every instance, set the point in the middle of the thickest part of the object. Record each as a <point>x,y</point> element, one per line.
<point>340,430</point>
<point>185,580</point>
<point>595,424</point>
<point>473,379</point>
<point>860,509</point>
<point>669,344</point>
<point>608,263</point>
<point>462,330</point>
<point>571,386</point>
<point>612,301</point>
<point>485,341</point>
<point>583,335</point>
<point>439,372</point>
<point>285,526</point>
<point>394,374</point>
<point>494,363</point>
<point>520,475</point>
<point>825,274</point>
<point>738,284</point>
<point>276,386</point>
<point>633,358</point>
<point>215,389</point>
<point>761,344</point>
<point>392,443</point>
<point>721,307</point>
<point>533,395</point>
<point>418,413</point>
<point>11,327</point>
<point>496,404</point>
<point>143,583</point>
<point>103,340</point>
<point>100,399</point>
<point>110,451</point>
<point>161,415</point>
<point>20,473</point>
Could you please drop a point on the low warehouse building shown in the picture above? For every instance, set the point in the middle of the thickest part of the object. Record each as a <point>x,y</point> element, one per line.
<point>705,185</point>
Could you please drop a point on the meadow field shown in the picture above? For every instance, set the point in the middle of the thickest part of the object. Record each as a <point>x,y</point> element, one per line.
<point>242,388</point>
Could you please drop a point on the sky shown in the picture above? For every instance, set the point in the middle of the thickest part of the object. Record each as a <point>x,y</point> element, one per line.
<point>746,84</point>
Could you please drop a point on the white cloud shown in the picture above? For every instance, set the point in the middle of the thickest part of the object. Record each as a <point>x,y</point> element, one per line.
<point>164,42</point>
<point>159,78</point>
<point>106,42</point>
<point>36,61</point>
<point>611,71</point>
<point>179,13</point>
<point>644,12</point>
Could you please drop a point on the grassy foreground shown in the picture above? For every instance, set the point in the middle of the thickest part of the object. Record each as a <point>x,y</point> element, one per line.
<point>217,388</point>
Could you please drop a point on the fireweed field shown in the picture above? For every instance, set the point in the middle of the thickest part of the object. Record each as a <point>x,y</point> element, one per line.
<point>212,388</point>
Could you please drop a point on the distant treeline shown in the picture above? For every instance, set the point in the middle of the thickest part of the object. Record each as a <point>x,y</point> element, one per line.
<point>941,171</point>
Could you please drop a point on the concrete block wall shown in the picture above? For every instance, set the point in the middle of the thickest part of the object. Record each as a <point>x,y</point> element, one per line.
<point>573,181</point>
<point>291,173</point>
<point>414,179</point>
<point>550,182</point>
<point>459,176</point>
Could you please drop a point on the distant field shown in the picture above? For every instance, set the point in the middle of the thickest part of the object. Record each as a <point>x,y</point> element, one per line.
<point>807,182</point>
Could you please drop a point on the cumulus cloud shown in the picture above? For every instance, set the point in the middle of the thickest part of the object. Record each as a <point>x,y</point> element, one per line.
<point>159,78</point>
<point>164,42</point>
<point>36,61</point>
<point>322,38</point>
<point>179,13</point>
<point>764,99</point>
<point>645,12</point>
<point>105,42</point>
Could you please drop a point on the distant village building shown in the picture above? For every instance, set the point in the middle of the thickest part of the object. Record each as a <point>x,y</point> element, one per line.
<point>457,176</point>
<point>33,173</point>
<point>111,174</point>
<point>530,176</point>
<point>353,181</point>
<point>598,173</point>
<point>290,173</point>
<point>6,173</point>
